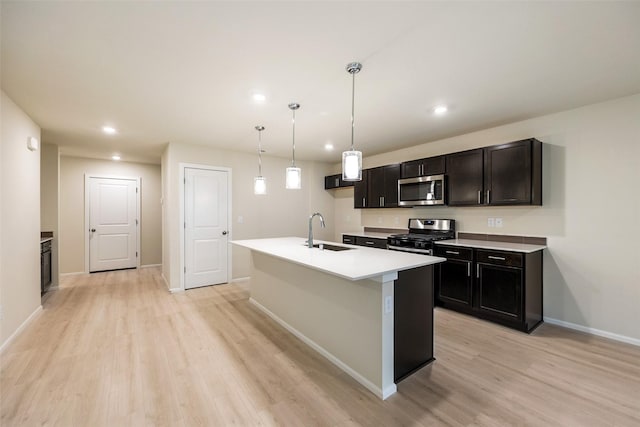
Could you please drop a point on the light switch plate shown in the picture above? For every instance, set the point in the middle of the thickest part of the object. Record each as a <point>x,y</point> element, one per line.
<point>388,305</point>
<point>240,219</point>
<point>491,222</point>
<point>498,222</point>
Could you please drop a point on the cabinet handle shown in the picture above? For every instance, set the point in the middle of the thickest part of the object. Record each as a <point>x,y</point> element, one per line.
<point>452,252</point>
<point>421,169</point>
<point>488,196</point>
<point>478,271</point>
<point>479,197</point>
<point>381,200</point>
<point>364,202</point>
<point>469,269</point>
<point>346,240</point>
<point>337,182</point>
<point>500,258</point>
<point>369,243</point>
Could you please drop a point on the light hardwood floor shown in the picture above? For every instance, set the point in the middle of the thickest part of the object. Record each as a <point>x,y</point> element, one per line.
<point>118,349</point>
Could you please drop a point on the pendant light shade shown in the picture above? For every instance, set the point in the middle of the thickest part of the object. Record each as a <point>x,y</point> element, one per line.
<point>352,159</point>
<point>260,182</point>
<point>293,177</point>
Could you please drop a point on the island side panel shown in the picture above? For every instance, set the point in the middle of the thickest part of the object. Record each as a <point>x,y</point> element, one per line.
<point>342,317</point>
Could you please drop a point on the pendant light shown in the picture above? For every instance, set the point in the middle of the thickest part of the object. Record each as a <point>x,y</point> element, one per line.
<point>293,180</point>
<point>259,182</point>
<point>352,159</point>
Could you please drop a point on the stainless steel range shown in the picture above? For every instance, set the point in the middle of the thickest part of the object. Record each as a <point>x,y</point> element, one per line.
<point>422,234</point>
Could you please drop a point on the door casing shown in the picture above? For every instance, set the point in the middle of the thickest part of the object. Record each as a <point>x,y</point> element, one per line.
<point>87,233</point>
<point>181,198</point>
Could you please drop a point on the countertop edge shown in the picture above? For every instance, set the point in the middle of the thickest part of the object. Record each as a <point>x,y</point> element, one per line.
<point>492,245</point>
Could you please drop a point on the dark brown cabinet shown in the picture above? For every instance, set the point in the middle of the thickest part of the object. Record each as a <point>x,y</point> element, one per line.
<point>336,181</point>
<point>370,242</point>
<point>465,178</point>
<point>455,277</point>
<point>500,286</point>
<point>45,266</point>
<point>506,174</point>
<point>423,167</point>
<point>378,188</point>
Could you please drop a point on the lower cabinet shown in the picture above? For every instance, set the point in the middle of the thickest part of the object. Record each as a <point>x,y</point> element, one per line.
<point>501,286</point>
<point>370,242</point>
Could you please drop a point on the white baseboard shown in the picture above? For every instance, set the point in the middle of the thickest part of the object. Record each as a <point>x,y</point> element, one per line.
<point>383,394</point>
<point>76,273</point>
<point>166,282</point>
<point>240,279</point>
<point>21,328</point>
<point>150,265</point>
<point>593,331</point>
<point>175,290</point>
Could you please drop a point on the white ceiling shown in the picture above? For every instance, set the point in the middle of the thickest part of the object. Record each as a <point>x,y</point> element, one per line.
<point>185,71</point>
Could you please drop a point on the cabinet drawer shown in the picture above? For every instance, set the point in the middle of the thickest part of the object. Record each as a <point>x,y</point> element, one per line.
<point>351,240</point>
<point>510,259</point>
<point>454,252</point>
<point>371,242</point>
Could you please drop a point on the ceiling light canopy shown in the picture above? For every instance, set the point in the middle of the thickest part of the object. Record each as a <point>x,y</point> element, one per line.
<point>352,159</point>
<point>328,146</point>
<point>115,157</point>
<point>109,130</point>
<point>293,176</point>
<point>260,182</point>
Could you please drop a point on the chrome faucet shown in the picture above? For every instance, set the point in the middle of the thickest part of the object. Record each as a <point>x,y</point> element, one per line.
<point>310,241</point>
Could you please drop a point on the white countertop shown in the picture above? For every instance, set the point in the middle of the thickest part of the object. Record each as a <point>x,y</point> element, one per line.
<point>373,234</point>
<point>356,264</point>
<point>490,244</point>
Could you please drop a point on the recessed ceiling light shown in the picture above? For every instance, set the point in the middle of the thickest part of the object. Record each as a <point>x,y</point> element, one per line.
<point>328,146</point>
<point>440,109</point>
<point>115,157</point>
<point>109,130</point>
<point>259,97</point>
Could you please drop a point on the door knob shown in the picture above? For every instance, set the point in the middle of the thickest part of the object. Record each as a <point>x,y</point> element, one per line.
<point>93,230</point>
<point>224,233</point>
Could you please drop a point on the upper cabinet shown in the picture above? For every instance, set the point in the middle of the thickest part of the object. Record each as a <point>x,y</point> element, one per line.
<point>423,167</point>
<point>336,181</point>
<point>465,178</point>
<point>378,188</point>
<point>506,174</point>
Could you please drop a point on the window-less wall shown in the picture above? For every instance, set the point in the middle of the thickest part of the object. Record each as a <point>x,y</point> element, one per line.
<point>280,213</point>
<point>19,220</point>
<point>591,206</point>
<point>49,191</point>
<point>72,229</point>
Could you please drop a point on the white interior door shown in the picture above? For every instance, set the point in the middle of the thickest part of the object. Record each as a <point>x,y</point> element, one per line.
<point>113,224</point>
<point>206,233</point>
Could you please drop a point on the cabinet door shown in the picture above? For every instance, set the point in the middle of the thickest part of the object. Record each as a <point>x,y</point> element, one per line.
<point>456,282</point>
<point>390,190</point>
<point>411,169</point>
<point>351,240</point>
<point>332,181</point>
<point>508,177</point>
<point>371,242</point>
<point>375,187</point>
<point>360,191</point>
<point>433,165</point>
<point>500,291</point>
<point>465,178</point>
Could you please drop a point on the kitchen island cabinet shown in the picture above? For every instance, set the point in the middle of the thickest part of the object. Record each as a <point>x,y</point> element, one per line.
<point>344,304</point>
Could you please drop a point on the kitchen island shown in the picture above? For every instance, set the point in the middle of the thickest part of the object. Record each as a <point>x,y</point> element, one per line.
<point>361,308</point>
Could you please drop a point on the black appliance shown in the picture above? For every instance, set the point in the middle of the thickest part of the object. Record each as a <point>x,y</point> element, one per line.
<point>422,234</point>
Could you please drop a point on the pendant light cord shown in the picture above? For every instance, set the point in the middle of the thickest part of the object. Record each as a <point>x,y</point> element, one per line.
<point>353,102</point>
<point>260,153</point>
<point>293,156</point>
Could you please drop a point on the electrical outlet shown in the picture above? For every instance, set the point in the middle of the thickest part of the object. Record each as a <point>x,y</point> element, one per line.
<point>388,305</point>
<point>491,222</point>
<point>396,220</point>
<point>379,220</point>
<point>498,222</point>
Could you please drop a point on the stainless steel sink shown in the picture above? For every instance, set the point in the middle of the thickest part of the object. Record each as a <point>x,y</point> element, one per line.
<point>334,248</point>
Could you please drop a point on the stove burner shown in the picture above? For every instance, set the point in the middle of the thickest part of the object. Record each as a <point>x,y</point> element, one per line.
<point>422,234</point>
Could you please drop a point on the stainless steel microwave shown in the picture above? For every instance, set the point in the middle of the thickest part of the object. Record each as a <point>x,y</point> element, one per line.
<point>421,191</point>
